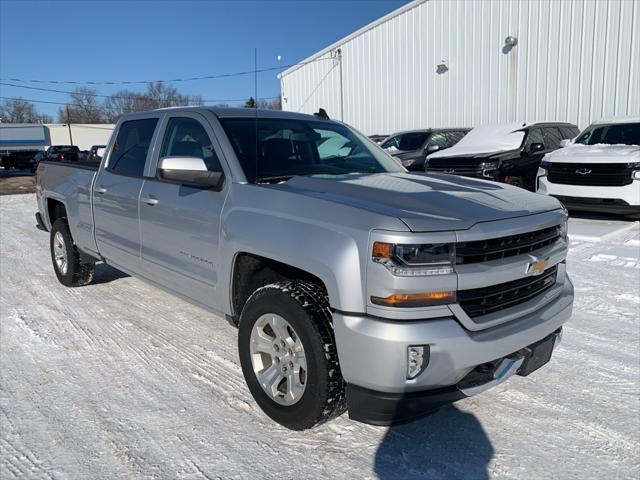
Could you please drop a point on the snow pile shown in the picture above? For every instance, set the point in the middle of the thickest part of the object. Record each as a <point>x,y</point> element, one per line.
<point>487,139</point>
<point>120,380</point>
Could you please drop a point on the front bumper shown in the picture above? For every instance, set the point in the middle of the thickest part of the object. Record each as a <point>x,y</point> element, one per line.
<point>618,199</point>
<point>382,408</point>
<point>373,351</point>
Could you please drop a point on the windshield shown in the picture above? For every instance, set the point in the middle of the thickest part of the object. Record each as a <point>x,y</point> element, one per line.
<point>615,134</point>
<point>492,138</point>
<point>406,141</point>
<point>286,147</point>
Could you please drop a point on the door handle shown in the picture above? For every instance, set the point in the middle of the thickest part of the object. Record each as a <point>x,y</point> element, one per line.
<point>101,190</point>
<point>150,200</point>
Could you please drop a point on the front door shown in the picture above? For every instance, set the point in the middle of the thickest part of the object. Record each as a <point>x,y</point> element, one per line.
<point>116,193</point>
<point>180,224</point>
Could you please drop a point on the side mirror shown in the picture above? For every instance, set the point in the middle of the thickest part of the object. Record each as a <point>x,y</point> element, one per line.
<point>188,171</point>
<point>536,147</point>
<point>564,142</point>
<point>433,148</point>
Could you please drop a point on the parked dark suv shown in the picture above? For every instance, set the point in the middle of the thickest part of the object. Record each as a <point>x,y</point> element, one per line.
<point>412,147</point>
<point>509,153</point>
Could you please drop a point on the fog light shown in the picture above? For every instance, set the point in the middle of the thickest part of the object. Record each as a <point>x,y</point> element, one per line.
<point>417,360</point>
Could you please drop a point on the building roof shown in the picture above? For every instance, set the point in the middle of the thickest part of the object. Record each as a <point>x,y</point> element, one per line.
<point>357,33</point>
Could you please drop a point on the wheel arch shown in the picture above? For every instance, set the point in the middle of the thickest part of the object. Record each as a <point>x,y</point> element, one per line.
<point>251,271</point>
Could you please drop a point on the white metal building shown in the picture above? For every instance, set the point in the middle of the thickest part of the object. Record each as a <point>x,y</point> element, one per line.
<point>443,63</point>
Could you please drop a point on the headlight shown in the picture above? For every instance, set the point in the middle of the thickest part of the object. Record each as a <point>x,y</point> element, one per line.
<point>635,167</point>
<point>545,166</point>
<point>406,163</point>
<point>415,260</point>
<point>489,169</point>
<point>564,227</point>
<point>490,165</point>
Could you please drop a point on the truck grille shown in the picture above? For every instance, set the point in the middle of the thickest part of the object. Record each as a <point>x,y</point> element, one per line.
<point>590,174</point>
<point>496,248</point>
<point>482,301</point>
<point>456,166</point>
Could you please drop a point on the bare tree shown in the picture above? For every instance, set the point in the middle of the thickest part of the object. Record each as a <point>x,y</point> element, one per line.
<point>274,104</point>
<point>158,95</point>
<point>21,111</point>
<point>83,108</point>
<point>122,102</point>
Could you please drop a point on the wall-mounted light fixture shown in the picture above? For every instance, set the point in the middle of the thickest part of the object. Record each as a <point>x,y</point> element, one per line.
<point>509,43</point>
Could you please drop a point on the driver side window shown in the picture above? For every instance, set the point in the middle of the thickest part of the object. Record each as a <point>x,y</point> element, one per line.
<point>186,137</point>
<point>534,136</point>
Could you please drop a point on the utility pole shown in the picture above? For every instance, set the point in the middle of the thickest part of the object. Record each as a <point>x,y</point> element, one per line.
<point>69,125</point>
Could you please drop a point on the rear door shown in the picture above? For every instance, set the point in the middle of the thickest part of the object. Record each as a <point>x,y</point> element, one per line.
<point>180,224</point>
<point>117,191</point>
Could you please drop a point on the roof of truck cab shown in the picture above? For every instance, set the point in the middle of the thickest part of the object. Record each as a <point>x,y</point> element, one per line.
<point>617,120</point>
<point>239,112</point>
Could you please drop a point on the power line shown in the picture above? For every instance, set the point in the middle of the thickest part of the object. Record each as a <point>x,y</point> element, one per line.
<point>174,80</point>
<point>133,94</point>
<point>317,87</point>
<point>70,103</point>
<point>33,101</point>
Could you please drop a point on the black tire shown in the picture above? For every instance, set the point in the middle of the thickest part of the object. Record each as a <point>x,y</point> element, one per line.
<point>305,307</point>
<point>516,182</point>
<point>77,273</point>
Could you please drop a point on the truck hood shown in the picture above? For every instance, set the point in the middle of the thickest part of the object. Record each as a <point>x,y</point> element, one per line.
<point>599,153</point>
<point>425,202</point>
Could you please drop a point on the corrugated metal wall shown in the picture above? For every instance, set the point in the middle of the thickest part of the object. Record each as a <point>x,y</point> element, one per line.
<point>576,60</point>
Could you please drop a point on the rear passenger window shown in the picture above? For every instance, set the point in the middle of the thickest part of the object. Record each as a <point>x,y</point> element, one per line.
<point>569,132</point>
<point>131,147</point>
<point>440,139</point>
<point>454,137</point>
<point>186,137</point>
<point>552,138</point>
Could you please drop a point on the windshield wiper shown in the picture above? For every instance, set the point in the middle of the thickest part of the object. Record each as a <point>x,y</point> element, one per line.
<point>275,178</point>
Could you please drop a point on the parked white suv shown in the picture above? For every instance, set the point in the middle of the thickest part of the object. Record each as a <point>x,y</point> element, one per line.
<point>599,170</point>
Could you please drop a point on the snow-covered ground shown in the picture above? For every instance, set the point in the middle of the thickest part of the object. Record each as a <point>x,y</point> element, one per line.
<point>120,380</point>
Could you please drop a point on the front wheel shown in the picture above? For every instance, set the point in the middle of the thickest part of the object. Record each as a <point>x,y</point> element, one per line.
<point>67,264</point>
<point>515,181</point>
<point>288,354</point>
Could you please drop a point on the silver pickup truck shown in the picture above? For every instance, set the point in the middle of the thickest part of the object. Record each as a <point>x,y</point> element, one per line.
<point>354,284</point>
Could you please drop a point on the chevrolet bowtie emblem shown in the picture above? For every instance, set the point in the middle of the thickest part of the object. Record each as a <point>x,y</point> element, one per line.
<point>537,266</point>
<point>583,171</point>
<point>449,170</point>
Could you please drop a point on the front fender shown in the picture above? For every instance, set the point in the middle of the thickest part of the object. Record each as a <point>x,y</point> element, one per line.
<point>317,248</point>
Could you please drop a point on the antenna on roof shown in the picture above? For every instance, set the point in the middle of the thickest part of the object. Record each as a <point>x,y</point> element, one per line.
<point>255,81</point>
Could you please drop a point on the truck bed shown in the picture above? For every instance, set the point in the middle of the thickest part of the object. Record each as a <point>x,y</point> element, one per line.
<point>79,164</point>
<point>69,183</point>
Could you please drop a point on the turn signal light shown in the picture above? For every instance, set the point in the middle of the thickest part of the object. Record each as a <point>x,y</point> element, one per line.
<point>382,250</point>
<point>412,300</point>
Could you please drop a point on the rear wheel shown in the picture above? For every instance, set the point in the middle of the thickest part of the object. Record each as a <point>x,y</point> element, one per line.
<point>288,354</point>
<point>67,263</point>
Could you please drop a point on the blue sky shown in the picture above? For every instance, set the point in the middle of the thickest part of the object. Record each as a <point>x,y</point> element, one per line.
<point>144,40</point>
